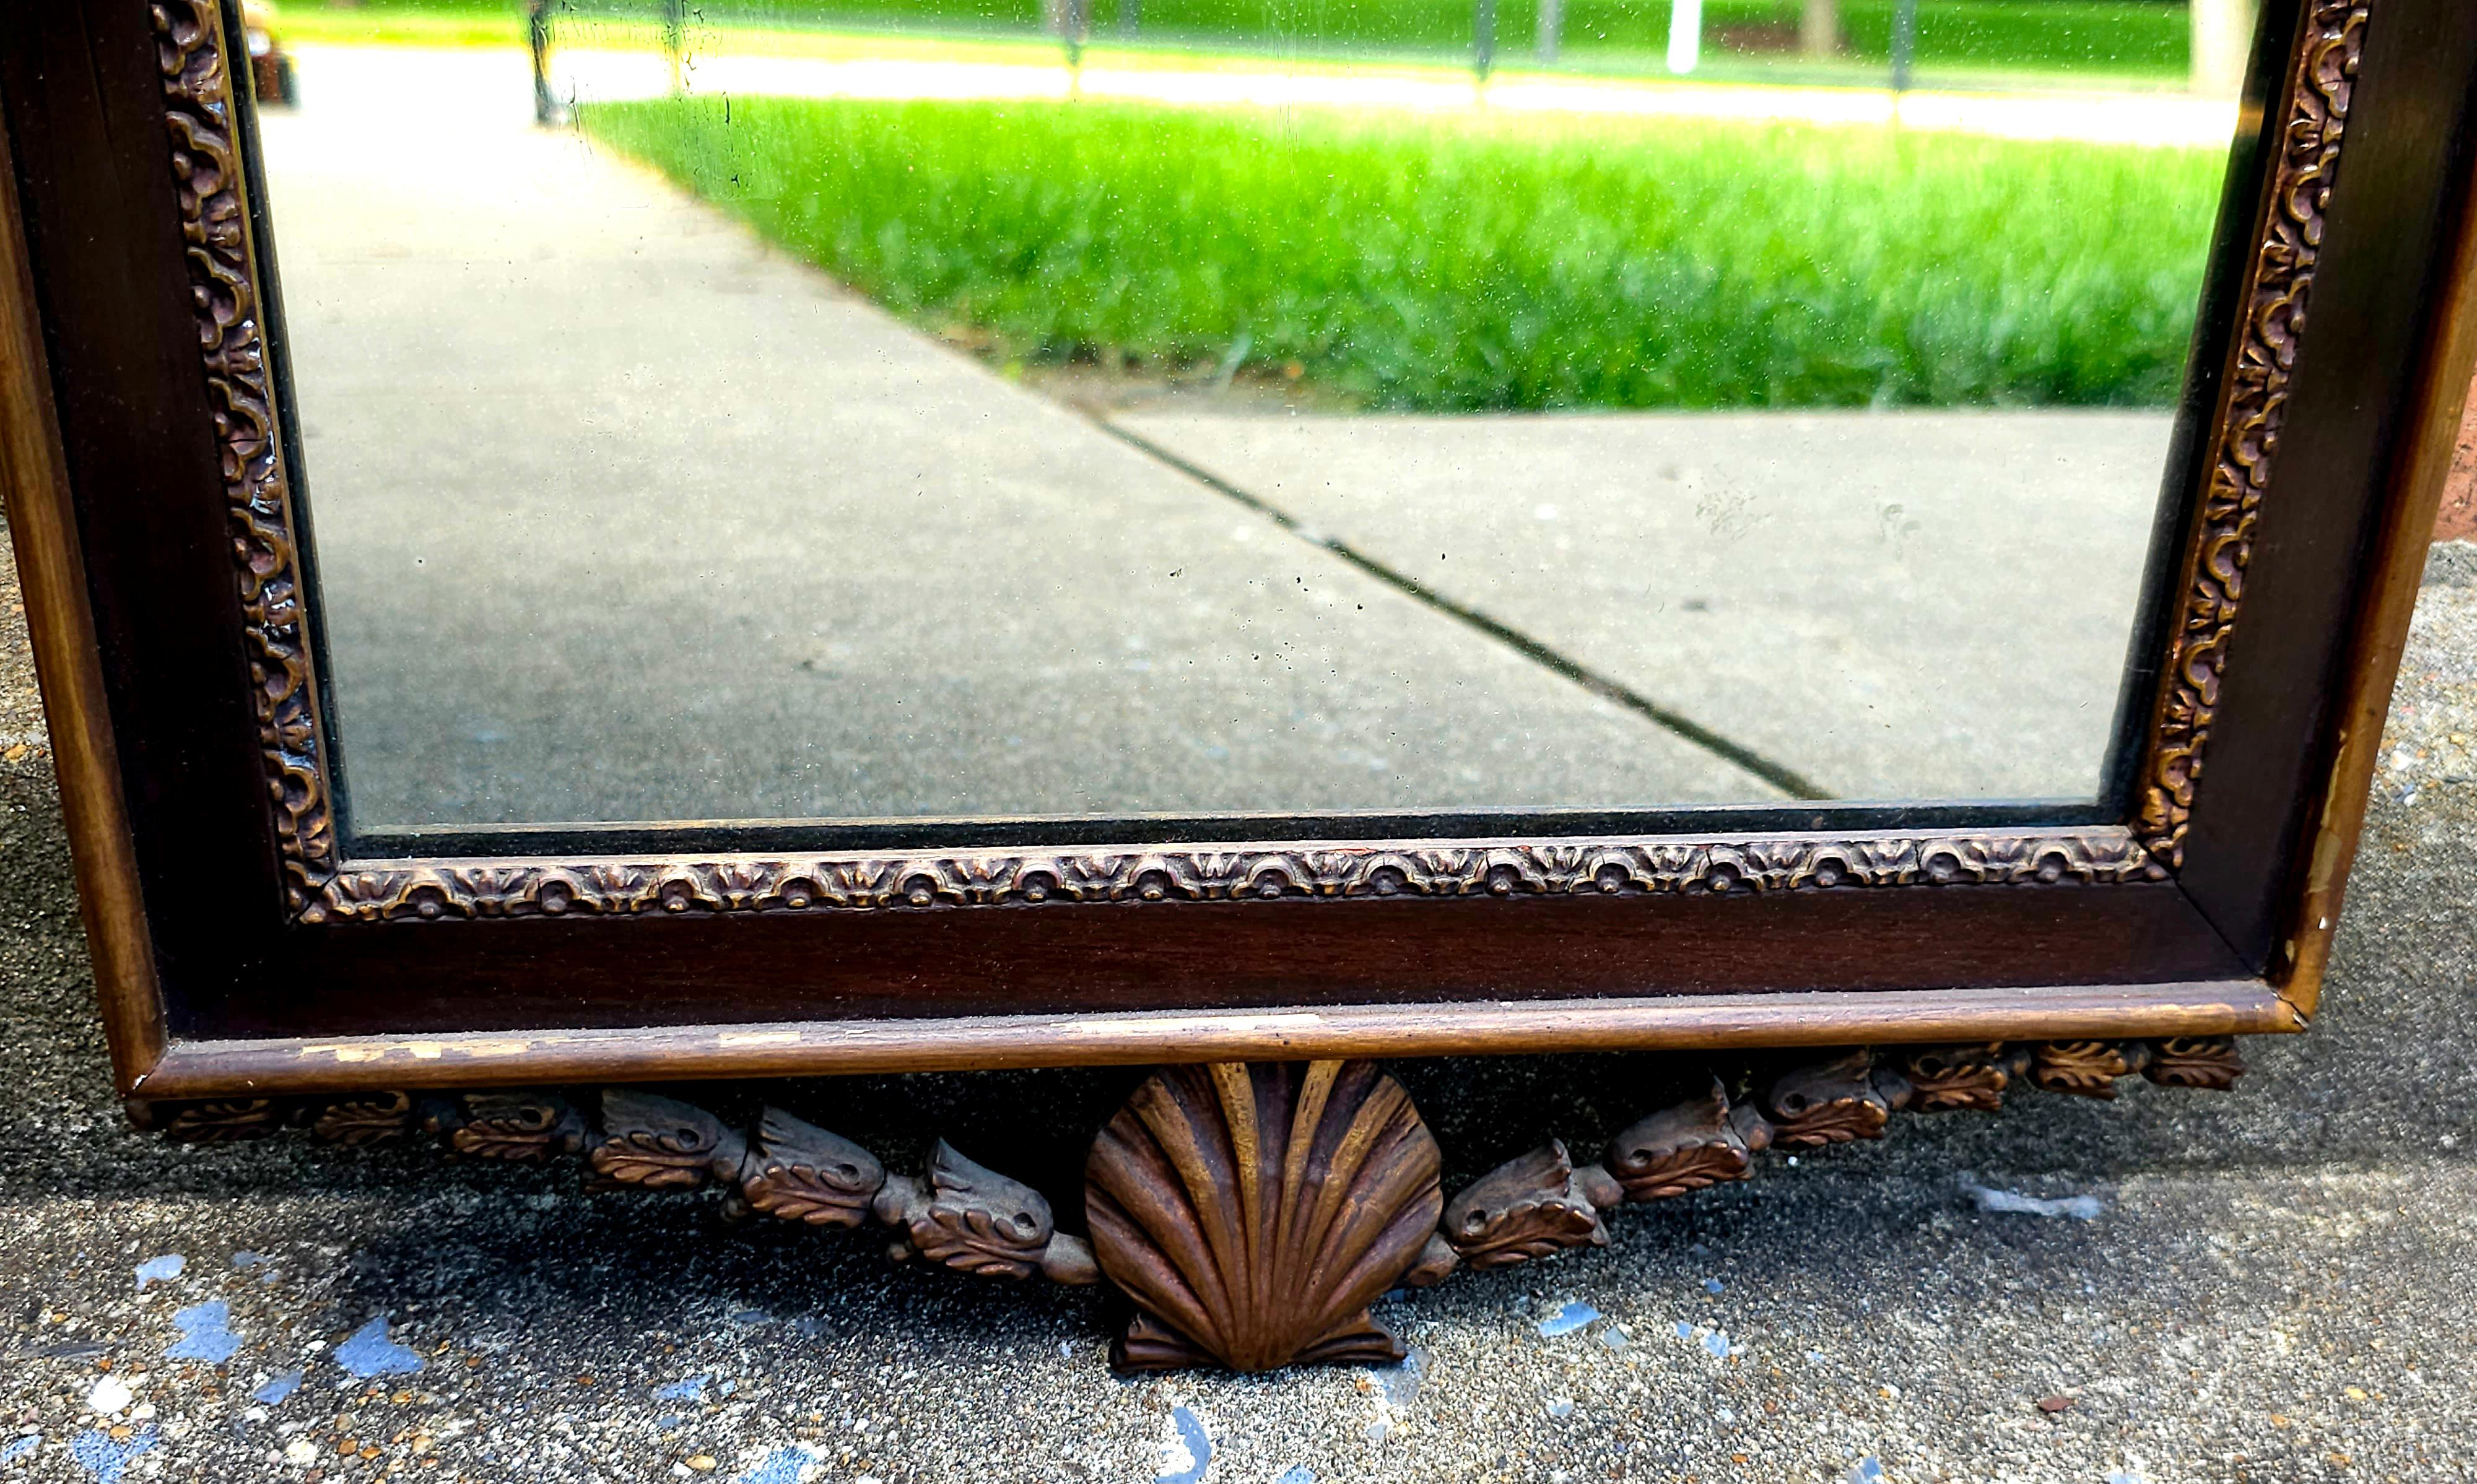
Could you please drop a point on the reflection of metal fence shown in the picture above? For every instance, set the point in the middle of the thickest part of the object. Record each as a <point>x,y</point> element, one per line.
<point>1829,33</point>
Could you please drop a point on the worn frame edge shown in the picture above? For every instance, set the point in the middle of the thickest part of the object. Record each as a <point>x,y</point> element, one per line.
<point>2389,586</point>
<point>68,663</point>
<point>280,1065</point>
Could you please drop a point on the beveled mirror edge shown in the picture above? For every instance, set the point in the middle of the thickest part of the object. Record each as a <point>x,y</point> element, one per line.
<point>205,113</point>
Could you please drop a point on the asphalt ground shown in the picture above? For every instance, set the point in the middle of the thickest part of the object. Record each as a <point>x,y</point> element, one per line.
<point>2274,1288</point>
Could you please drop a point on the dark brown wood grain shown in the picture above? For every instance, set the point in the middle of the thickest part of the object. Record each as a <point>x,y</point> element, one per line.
<point>83,96</point>
<point>42,530</point>
<point>535,973</point>
<point>2390,236</point>
<point>248,992</point>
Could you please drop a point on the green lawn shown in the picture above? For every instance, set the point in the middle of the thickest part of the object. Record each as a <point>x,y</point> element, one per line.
<point>1468,264</point>
<point>2099,38</point>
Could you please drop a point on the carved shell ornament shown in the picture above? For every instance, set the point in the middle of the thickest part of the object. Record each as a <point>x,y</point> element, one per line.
<point>1254,1211</point>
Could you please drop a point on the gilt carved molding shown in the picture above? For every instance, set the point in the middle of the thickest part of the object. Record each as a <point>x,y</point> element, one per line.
<point>225,281</point>
<point>1251,1213</point>
<point>433,890</point>
<point>2253,409</point>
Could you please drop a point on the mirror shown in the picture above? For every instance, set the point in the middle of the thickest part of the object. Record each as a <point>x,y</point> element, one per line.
<point>937,409</point>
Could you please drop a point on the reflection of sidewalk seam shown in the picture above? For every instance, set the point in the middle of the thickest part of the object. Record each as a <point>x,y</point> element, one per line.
<point>1778,775</point>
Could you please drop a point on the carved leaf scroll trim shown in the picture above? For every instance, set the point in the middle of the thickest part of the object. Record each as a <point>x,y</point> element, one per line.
<point>1537,1204</point>
<point>225,280</point>
<point>433,890</point>
<point>2252,412</point>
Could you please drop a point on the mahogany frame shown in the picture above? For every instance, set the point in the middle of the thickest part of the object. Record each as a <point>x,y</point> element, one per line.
<point>242,945</point>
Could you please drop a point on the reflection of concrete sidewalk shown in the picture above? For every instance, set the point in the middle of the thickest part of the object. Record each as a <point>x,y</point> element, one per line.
<point>717,67</point>
<point>1894,606</point>
<point>621,515</point>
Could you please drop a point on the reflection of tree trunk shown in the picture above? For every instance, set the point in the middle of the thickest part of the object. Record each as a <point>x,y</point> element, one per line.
<point>2223,39</point>
<point>1552,25</point>
<point>1818,28</point>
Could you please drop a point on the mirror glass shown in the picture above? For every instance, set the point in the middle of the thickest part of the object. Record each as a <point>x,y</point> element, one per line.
<point>996,410</point>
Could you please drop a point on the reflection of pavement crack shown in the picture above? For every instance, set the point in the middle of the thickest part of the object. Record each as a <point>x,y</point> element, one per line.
<point>1778,775</point>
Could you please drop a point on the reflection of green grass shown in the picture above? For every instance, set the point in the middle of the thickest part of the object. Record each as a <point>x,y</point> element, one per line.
<point>2098,39</point>
<point>1463,263</point>
<point>379,24</point>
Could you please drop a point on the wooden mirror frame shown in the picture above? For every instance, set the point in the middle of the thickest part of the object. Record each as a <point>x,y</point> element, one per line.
<point>243,949</point>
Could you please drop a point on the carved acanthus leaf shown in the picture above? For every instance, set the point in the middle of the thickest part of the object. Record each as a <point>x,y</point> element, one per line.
<point>2086,1069</point>
<point>664,1144</point>
<point>224,1121</point>
<point>801,1172</point>
<point>1695,1144</point>
<point>517,1125</point>
<point>1528,1207</point>
<point>2209,1062</point>
<point>365,1120</point>
<point>968,1217</point>
<point>1832,1103</point>
<point>1942,1078</point>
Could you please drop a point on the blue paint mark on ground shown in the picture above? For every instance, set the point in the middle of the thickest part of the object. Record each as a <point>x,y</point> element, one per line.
<point>1297,1474</point>
<point>1868,1472</point>
<point>1711,1285</point>
<point>160,1269</point>
<point>690,1390</point>
<point>246,1259</point>
<point>1401,1383</point>
<point>1198,1445</point>
<point>21,1447</point>
<point>277,1389</point>
<point>370,1352</point>
<point>1717,1344</point>
<point>107,1460</point>
<point>206,1334</point>
<point>781,1466</point>
<point>1575,1315</point>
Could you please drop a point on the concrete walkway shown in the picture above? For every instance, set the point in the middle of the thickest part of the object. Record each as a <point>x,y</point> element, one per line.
<point>621,514</point>
<point>1913,606</point>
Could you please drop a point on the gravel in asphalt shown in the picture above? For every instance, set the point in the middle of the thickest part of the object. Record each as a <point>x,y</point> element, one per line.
<point>2274,1288</point>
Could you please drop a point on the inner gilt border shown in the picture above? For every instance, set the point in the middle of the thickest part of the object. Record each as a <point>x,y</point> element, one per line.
<point>224,269</point>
